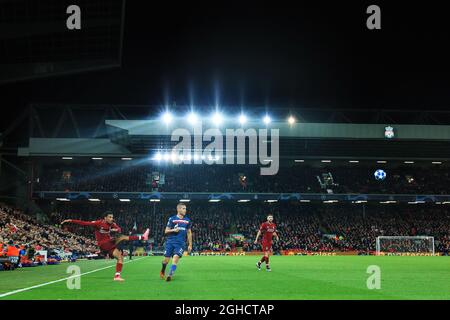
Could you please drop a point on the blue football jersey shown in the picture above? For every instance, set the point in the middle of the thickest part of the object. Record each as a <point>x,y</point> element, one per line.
<point>183,225</point>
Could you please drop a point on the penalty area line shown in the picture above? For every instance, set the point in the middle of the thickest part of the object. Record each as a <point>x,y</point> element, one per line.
<point>59,280</point>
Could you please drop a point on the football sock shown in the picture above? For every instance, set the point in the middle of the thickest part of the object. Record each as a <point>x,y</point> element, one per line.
<point>163,269</point>
<point>118,268</point>
<point>267,262</point>
<point>262,260</point>
<point>172,269</point>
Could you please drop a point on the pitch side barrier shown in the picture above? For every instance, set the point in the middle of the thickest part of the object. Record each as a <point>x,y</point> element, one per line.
<point>309,253</point>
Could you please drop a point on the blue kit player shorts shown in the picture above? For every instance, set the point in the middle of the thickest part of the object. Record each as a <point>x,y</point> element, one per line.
<point>173,249</point>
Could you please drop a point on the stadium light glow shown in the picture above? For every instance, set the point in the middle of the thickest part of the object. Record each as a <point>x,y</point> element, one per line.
<point>214,200</point>
<point>67,158</point>
<point>94,200</point>
<point>415,202</point>
<point>267,119</point>
<point>127,159</point>
<point>213,158</point>
<point>409,162</point>
<point>326,161</point>
<point>166,157</point>
<point>291,120</point>
<point>124,200</point>
<point>331,201</point>
<point>242,119</point>
<point>155,200</point>
<point>271,200</point>
<point>185,200</point>
<point>299,160</point>
<point>62,199</point>
<point>381,161</point>
<point>354,161</point>
<point>305,201</point>
<point>217,118</point>
<point>167,117</point>
<point>244,200</point>
<point>158,156</point>
<point>436,162</point>
<point>192,118</point>
<point>97,158</point>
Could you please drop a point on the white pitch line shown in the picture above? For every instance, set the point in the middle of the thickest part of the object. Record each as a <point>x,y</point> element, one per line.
<point>59,280</point>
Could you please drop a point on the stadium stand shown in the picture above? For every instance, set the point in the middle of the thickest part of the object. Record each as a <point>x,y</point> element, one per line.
<point>119,178</point>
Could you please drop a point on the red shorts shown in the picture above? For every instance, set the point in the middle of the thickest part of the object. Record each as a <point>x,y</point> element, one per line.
<point>266,246</point>
<point>108,247</point>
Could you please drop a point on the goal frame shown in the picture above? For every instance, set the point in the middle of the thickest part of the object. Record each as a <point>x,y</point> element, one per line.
<point>402,237</point>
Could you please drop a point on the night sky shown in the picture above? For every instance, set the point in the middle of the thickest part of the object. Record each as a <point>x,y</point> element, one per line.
<point>270,55</point>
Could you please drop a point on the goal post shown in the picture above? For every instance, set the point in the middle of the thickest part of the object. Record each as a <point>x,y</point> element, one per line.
<point>404,244</point>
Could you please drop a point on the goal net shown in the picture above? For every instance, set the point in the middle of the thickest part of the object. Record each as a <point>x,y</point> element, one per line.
<point>404,244</point>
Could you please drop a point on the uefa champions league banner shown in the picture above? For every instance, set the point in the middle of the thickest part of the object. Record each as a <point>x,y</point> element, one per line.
<point>158,196</point>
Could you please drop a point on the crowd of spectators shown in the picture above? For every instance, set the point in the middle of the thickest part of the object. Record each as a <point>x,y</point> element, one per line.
<point>305,227</point>
<point>103,177</point>
<point>24,233</point>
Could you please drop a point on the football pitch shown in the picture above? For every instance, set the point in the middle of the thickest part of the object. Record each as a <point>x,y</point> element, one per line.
<point>236,277</point>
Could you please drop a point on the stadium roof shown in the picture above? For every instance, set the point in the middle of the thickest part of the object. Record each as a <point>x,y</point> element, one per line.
<point>113,127</point>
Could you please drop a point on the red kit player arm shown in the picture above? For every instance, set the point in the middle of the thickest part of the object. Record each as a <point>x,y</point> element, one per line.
<point>116,228</point>
<point>261,228</point>
<point>275,233</point>
<point>83,223</point>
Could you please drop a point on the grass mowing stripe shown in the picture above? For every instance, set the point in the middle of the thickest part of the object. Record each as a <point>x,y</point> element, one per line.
<point>59,280</point>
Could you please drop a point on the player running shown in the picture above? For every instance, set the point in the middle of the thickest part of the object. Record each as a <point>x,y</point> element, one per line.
<point>176,230</point>
<point>105,241</point>
<point>268,230</point>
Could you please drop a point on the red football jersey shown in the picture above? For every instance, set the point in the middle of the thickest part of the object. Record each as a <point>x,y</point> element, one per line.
<point>267,229</point>
<point>102,229</point>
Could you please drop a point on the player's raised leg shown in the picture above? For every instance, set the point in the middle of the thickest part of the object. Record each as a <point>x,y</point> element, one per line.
<point>143,237</point>
<point>118,255</point>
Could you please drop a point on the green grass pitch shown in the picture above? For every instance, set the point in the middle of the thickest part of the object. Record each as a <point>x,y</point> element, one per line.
<point>236,277</point>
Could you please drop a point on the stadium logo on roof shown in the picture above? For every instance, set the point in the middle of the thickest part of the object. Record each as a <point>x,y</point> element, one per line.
<point>389,132</point>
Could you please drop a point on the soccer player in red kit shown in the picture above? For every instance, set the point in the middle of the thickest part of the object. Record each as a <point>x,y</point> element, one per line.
<point>105,241</point>
<point>268,230</point>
